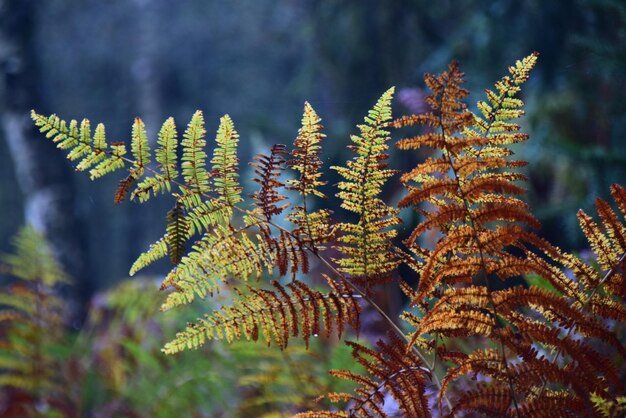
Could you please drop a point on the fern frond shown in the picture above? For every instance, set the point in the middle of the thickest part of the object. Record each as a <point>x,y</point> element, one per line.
<point>394,370</point>
<point>305,155</point>
<point>489,400</point>
<point>487,362</point>
<point>367,244</point>
<point>33,317</point>
<point>93,152</point>
<point>157,251</point>
<point>177,233</point>
<point>124,186</point>
<point>139,144</point>
<point>166,158</point>
<point>223,252</point>
<point>267,170</point>
<point>608,240</point>
<point>313,227</point>
<point>225,162</point>
<point>275,316</point>
<point>193,165</point>
<point>286,252</point>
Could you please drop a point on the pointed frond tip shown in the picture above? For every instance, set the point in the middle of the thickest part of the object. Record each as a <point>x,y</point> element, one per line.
<point>366,245</point>
<point>225,162</point>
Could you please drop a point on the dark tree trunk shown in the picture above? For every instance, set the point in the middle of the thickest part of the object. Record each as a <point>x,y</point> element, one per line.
<point>43,175</point>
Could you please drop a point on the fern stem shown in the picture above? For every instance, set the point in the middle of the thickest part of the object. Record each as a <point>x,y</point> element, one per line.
<point>496,318</point>
<point>391,323</point>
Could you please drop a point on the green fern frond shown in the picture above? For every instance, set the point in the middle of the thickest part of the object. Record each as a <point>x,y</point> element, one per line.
<point>157,251</point>
<point>139,144</point>
<point>367,244</point>
<point>275,316</point>
<point>210,213</point>
<point>225,162</point>
<point>114,162</point>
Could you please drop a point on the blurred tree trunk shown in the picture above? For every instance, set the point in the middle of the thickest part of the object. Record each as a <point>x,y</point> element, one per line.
<point>145,67</point>
<point>43,175</point>
<point>147,80</point>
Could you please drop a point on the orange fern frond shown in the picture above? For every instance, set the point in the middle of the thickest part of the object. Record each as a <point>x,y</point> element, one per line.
<point>312,227</point>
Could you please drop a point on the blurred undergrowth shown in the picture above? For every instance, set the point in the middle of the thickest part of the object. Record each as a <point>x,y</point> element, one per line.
<point>113,366</point>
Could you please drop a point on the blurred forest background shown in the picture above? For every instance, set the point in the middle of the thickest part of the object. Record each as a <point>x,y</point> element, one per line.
<point>259,60</point>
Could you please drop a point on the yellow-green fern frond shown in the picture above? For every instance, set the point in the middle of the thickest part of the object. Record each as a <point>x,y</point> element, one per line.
<point>93,152</point>
<point>33,260</point>
<point>166,158</point>
<point>367,244</point>
<point>225,162</point>
<point>275,316</point>
<point>139,144</point>
<point>157,251</point>
<point>222,253</point>
<point>114,162</point>
<point>193,165</point>
<point>198,217</point>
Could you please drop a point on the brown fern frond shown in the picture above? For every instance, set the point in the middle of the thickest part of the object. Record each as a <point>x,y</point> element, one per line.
<point>125,185</point>
<point>267,169</point>
<point>471,203</point>
<point>486,362</point>
<point>554,404</point>
<point>554,309</point>
<point>285,251</point>
<point>597,368</point>
<point>489,400</point>
<point>394,371</point>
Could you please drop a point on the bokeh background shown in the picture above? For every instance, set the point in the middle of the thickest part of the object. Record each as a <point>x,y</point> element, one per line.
<point>259,60</point>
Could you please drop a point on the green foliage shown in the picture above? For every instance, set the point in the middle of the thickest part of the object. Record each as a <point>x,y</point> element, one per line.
<point>471,346</point>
